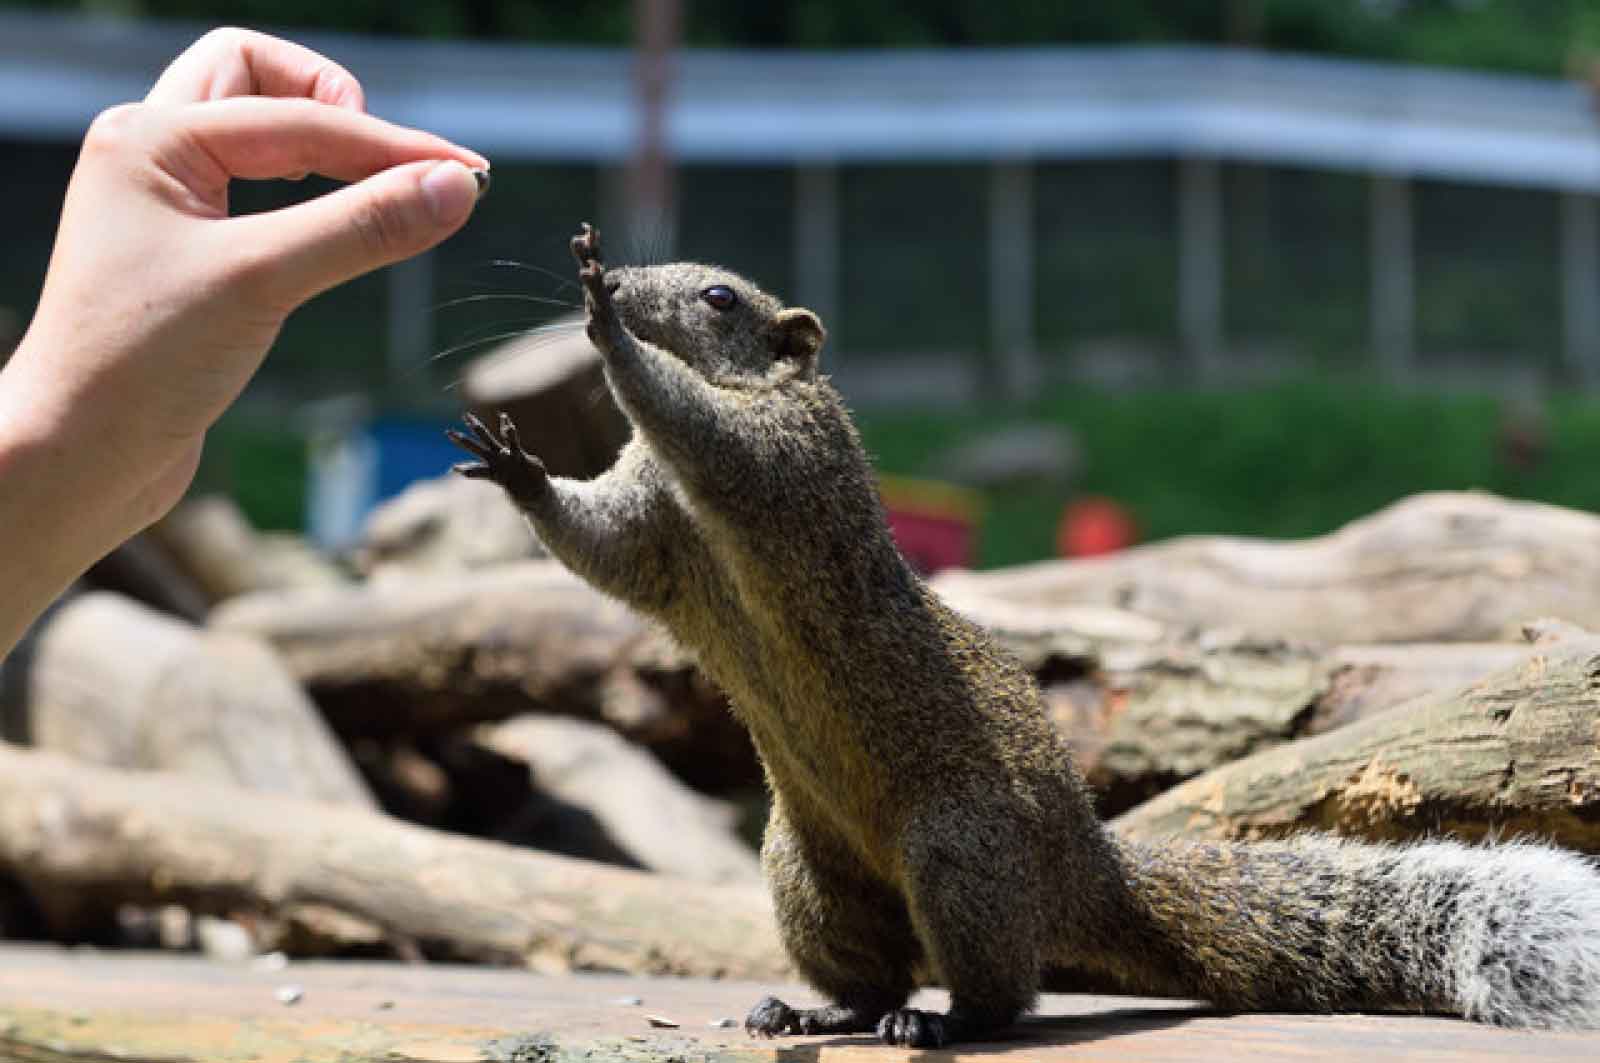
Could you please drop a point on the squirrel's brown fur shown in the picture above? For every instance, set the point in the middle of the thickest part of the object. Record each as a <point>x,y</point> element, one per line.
<point>928,822</point>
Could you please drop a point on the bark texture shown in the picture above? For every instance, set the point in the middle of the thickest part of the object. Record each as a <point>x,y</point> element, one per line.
<point>67,829</point>
<point>429,655</point>
<point>656,820</point>
<point>1517,752</point>
<point>425,657</point>
<point>213,544</point>
<point>1146,718</point>
<point>109,681</point>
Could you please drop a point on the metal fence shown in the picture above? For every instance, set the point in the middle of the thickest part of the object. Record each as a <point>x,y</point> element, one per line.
<point>997,219</point>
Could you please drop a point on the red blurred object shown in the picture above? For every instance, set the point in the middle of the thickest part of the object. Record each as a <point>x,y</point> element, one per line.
<point>1094,526</point>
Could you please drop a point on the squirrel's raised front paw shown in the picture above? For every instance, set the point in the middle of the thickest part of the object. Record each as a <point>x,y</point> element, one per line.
<point>597,288</point>
<point>502,460</point>
<point>771,1017</point>
<point>910,1028</point>
<point>586,245</point>
<point>592,276</point>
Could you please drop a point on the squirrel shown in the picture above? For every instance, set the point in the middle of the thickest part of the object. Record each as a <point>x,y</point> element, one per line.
<point>928,823</point>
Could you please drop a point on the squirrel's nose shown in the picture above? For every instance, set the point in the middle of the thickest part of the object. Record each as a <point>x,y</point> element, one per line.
<point>613,282</point>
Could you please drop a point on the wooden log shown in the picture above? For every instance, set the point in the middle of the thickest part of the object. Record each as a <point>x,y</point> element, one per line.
<point>1433,568</point>
<point>427,656</point>
<point>444,525</point>
<point>142,570</point>
<point>1365,680</point>
<point>660,823</point>
<point>107,680</point>
<point>158,838</point>
<point>213,544</point>
<point>1147,718</point>
<point>1514,753</point>
<point>1147,704</point>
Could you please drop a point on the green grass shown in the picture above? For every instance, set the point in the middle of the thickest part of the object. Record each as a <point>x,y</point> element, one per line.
<point>262,465</point>
<point>1288,461</point>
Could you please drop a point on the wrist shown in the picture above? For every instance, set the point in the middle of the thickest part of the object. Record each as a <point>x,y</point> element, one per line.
<point>58,512</point>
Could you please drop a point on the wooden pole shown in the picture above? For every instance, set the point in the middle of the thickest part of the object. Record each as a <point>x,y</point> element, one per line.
<point>652,213</point>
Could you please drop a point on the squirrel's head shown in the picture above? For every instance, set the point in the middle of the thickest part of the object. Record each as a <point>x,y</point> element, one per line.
<point>717,322</point>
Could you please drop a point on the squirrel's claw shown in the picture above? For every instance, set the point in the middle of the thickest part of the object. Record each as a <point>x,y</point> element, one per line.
<point>593,278</point>
<point>472,446</point>
<point>910,1028</point>
<point>502,460</point>
<point>586,245</point>
<point>771,1017</point>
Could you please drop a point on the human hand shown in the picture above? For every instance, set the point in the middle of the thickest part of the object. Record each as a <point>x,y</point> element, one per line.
<point>158,307</point>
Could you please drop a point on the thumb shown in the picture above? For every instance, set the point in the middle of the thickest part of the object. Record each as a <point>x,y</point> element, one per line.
<point>392,215</point>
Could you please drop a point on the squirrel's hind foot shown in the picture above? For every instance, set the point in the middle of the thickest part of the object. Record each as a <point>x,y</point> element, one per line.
<point>772,1017</point>
<point>910,1028</point>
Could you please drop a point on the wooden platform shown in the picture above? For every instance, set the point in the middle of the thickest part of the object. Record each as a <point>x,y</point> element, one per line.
<point>58,1006</point>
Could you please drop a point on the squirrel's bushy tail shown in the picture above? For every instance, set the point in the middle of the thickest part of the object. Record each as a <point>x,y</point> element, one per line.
<point>1506,934</point>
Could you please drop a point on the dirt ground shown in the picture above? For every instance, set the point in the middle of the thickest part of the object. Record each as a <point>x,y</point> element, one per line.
<point>68,1005</point>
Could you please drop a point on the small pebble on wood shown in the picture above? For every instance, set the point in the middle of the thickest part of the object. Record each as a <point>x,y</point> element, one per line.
<point>660,1023</point>
<point>289,994</point>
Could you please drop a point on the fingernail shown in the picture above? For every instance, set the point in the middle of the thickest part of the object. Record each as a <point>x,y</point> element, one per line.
<point>450,190</point>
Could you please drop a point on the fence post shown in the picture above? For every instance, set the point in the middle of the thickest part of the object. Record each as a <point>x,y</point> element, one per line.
<point>816,244</point>
<point>1200,263</point>
<point>1011,277</point>
<point>1580,285</point>
<point>409,317</point>
<point>1393,294</point>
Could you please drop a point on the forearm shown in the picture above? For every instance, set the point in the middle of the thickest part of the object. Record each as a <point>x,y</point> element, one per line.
<point>623,532</point>
<point>665,398</point>
<point>65,502</point>
<point>579,530</point>
<point>679,411</point>
<point>698,432</point>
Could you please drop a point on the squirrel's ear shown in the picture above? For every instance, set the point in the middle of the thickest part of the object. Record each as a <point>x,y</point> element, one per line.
<point>797,336</point>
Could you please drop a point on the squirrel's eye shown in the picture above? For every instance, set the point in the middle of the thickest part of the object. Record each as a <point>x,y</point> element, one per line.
<point>720,296</point>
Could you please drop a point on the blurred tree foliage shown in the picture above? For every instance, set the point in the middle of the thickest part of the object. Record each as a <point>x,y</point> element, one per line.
<point>1299,458</point>
<point>1536,36</point>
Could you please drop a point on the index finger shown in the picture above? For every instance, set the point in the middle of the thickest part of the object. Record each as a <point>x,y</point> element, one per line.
<point>259,139</point>
<point>238,62</point>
